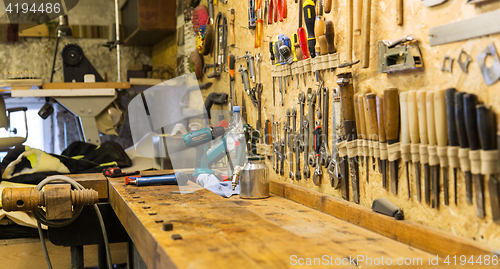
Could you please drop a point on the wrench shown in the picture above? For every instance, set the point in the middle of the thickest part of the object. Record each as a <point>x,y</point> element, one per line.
<point>333,166</point>
<point>282,170</point>
<point>324,151</point>
<point>306,172</point>
<point>302,103</point>
<point>276,147</point>
<point>311,100</point>
<point>317,145</point>
<point>296,145</point>
<point>318,101</point>
<point>273,145</point>
<point>290,137</point>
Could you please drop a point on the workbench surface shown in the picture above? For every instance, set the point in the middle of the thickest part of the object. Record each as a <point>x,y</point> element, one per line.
<point>236,233</point>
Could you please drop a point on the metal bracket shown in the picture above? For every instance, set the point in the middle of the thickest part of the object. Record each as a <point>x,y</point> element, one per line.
<point>447,68</point>
<point>398,55</point>
<point>464,65</point>
<point>490,74</point>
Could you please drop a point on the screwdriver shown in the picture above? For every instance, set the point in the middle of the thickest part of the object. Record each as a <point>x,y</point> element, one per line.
<point>257,5</point>
<point>301,33</point>
<point>328,6</point>
<point>231,81</point>
<point>452,136</point>
<point>330,35</point>
<point>309,18</point>
<point>259,29</point>
<point>319,28</point>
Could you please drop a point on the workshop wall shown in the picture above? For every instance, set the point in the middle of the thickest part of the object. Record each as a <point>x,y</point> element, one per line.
<point>458,219</point>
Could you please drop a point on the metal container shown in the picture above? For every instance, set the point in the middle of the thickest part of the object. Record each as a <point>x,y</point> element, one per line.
<point>254,179</point>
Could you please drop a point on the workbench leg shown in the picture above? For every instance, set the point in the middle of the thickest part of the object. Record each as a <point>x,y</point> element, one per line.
<point>76,257</point>
<point>135,260</point>
<point>101,256</point>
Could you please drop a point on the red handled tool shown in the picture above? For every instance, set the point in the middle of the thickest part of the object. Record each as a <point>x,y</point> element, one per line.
<point>117,172</point>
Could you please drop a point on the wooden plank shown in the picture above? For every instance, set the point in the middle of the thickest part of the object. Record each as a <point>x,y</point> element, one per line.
<point>83,85</point>
<point>408,232</point>
<point>26,253</point>
<point>64,93</point>
<point>145,81</point>
<point>20,82</point>
<point>97,182</point>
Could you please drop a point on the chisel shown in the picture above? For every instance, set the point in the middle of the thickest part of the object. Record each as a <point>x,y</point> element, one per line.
<point>494,187</point>
<point>470,102</point>
<point>464,145</point>
<point>358,127</point>
<point>422,130</point>
<point>433,158</point>
<point>414,139</point>
<point>344,80</point>
<point>362,125</point>
<point>405,137</point>
<point>391,120</point>
<point>368,134</point>
<point>452,137</point>
<point>442,138</point>
<point>382,140</point>
<point>489,156</point>
<point>371,103</point>
<point>309,18</point>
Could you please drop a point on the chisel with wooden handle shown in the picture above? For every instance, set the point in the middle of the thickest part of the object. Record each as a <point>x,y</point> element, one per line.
<point>464,144</point>
<point>470,103</point>
<point>442,138</point>
<point>382,139</point>
<point>487,127</point>
<point>365,33</point>
<point>452,134</point>
<point>368,139</point>
<point>414,139</point>
<point>422,130</point>
<point>433,159</point>
<point>344,81</point>
<point>358,126</point>
<point>328,6</point>
<point>362,125</point>
<point>391,118</point>
<point>405,136</point>
<point>371,101</point>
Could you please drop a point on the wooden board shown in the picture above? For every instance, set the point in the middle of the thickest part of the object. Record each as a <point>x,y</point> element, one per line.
<point>247,233</point>
<point>83,85</point>
<point>145,81</point>
<point>64,93</point>
<point>20,82</point>
<point>97,182</point>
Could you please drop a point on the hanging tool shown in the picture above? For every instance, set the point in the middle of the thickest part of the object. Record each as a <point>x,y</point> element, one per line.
<point>405,136</point>
<point>391,120</point>
<point>344,81</point>
<point>284,9</point>
<point>470,103</point>
<point>319,27</point>
<point>358,14</point>
<point>276,147</point>
<point>257,5</point>
<point>359,132</point>
<point>328,6</point>
<point>414,139</point>
<point>300,135</point>
<point>349,31</point>
<point>311,100</point>
<point>433,159</point>
<point>365,33</point>
<point>330,36</point>
<point>283,152</point>
<point>273,142</point>
<point>231,22</point>
<point>306,172</point>
<point>252,15</point>
<point>250,64</point>
<point>301,33</point>
<point>317,145</point>
<point>398,55</point>
<point>209,40</point>
<point>244,107</point>
<point>266,11</point>
<point>371,107</point>
<point>324,150</point>
<point>279,9</point>
<point>259,28</point>
<point>369,139</point>
<point>424,141</point>
<point>290,143</point>
<point>272,57</point>
<point>364,133</point>
<point>382,140</point>
<point>244,78</point>
<point>442,138</point>
<point>295,147</point>
<point>309,17</point>
<point>333,169</point>
<point>489,155</point>
<point>231,81</point>
<point>220,45</point>
<point>452,137</point>
<point>464,145</point>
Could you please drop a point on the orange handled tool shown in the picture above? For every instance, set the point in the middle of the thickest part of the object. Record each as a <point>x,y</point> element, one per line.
<point>284,9</point>
<point>259,29</point>
<point>279,8</point>
<point>257,5</point>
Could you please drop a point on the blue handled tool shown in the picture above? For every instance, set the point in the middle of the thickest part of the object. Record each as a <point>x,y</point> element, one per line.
<point>180,179</point>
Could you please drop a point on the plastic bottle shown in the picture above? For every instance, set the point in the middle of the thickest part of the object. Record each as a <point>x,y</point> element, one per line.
<point>235,139</point>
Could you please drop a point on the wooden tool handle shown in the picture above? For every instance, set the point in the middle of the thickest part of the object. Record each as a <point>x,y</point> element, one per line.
<point>358,9</point>
<point>487,127</point>
<point>330,36</point>
<point>371,101</point>
<point>391,115</point>
<point>323,46</point>
<point>422,116</point>
<point>413,117</point>
<point>365,34</point>
<point>405,128</point>
<point>450,117</point>
<point>362,122</point>
<point>399,11</point>
<point>367,118</point>
<point>470,103</point>
<point>233,36</point>
<point>349,37</point>
<point>328,6</point>
<point>440,116</point>
<point>431,127</point>
<point>346,100</point>
<point>356,113</point>
<point>319,26</point>
<point>460,120</point>
<point>380,118</point>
